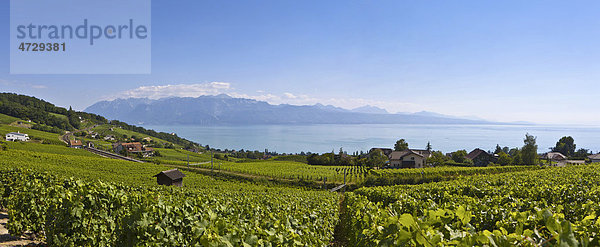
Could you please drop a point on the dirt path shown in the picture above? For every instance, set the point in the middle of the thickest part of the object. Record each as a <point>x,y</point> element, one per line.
<point>7,240</point>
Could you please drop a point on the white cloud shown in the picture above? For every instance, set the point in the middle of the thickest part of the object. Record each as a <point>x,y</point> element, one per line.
<point>290,95</point>
<point>177,90</point>
<point>214,88</point>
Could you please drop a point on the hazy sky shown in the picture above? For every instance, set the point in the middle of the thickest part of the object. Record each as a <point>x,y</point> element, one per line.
<point>533,61</point>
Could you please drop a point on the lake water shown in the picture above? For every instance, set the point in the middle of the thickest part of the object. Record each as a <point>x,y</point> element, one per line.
<point>355,137</point>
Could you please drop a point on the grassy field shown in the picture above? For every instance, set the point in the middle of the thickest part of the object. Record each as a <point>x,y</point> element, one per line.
<point>70,162</point>
<point>168,154</point>
<point>5,119</point>
<point>47,148</point>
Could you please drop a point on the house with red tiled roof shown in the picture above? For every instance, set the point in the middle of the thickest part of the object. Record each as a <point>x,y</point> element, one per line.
<point>133,148</point>
<point>480,157</point>
<point>75,144</point>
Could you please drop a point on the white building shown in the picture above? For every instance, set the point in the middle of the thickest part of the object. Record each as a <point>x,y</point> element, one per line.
<point>407,159</point>
<point>17,136</point>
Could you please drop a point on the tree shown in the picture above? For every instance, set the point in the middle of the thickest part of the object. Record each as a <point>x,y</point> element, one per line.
<point>401,145</point>
<point>566,146</point>
<point>582,153</point>
<point>498,149</point>
<point>376,158</point>
<point>428,148</point>
<point>529,150</point>
<point>438,159</point>
<point>459,156</point>
<point>504,159</point>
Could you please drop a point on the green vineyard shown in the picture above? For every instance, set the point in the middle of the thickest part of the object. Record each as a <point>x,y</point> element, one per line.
<point>357,175</point>
<point>71,212</point>
<point>97,201</point>
<point>554,206</point>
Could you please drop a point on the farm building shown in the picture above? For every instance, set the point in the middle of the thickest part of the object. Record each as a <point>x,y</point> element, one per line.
<point>480,157</point>
<point>407,159</point>
<point>17,136</point>
<point>594,158</point>
<point>170,177</point>
<point>134,148</point>
<point>553,156</point>
<point>75,144</point>
<point>556,157</point>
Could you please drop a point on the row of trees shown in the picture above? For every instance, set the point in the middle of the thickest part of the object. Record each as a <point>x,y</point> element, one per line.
<point>526,155</point>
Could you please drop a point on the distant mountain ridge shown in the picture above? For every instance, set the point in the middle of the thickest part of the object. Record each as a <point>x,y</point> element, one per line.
<point>223,109</point>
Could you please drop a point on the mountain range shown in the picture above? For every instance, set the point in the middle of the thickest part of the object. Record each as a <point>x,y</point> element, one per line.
<point>223,109</point>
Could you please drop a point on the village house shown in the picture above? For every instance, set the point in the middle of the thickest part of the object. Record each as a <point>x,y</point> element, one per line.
<point>480,157</point>
<point>133,148</point>
<point>557,157</point>
<point>170,177</point>
<point>75,144</point>
<point>407,159</point>
<point>594,158</point>
<point>148,139</point>
<point>17,136</point>
<point>553,156</point>
<point>109,138</point>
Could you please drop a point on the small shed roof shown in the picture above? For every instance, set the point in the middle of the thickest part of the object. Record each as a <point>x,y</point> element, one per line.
<point>173,174</point>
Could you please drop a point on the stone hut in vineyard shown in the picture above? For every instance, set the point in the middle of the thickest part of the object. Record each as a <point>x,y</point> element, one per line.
<point>170,177</point>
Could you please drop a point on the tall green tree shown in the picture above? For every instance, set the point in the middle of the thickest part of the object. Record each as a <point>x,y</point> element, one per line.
<point>566,146</point>
<point>438,159</point>
<point>428,147</point>
<point>459,156</point>
<point>582,153</point>
<point>504,159</point>
<point>376,158</point>
<point>529,150</point>
<point>400,145</point>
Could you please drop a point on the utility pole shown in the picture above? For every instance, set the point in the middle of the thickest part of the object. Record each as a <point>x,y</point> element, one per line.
<point>211,160</point>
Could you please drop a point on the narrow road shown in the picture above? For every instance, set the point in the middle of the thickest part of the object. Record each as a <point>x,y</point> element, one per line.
<point>109,154</point>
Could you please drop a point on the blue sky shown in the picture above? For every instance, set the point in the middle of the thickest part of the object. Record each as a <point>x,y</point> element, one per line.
<point>533,61</point>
